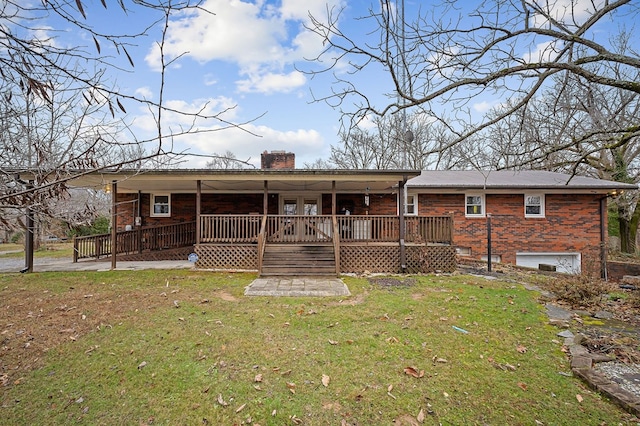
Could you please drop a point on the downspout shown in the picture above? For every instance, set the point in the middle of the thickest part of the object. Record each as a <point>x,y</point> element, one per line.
<point>114,230</point>
<point>603,239</point>
<point>401,207</point>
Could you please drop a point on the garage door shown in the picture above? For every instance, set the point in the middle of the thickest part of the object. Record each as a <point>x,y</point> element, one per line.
<point>564,262</point>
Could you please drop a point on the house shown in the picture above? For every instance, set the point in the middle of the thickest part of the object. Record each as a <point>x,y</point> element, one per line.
<point>536,217</point>
<point>282,220</point>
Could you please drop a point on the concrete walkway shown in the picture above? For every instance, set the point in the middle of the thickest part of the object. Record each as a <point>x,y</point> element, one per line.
<point>297,286</point>
<point>271,286</point>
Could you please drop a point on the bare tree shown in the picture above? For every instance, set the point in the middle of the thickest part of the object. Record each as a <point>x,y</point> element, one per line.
<point>61,115</point>
<point>410,141</point>
<point>227,161</point>
<point>448,55</point>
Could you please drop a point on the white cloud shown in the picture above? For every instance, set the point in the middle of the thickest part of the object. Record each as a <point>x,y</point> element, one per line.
<point>245,145</point>
<point>482,107</point>
<point>261,37</point>
<point>144,92</point>
<point>569,12</point>
<point>271,83</point>
<point>543,52</point>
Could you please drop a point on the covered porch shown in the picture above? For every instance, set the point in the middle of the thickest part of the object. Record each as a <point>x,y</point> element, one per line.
<point>277,222</point>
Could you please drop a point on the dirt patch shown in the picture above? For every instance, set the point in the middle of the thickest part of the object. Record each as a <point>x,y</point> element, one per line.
<point>393,281</point>
<point>33,322</point>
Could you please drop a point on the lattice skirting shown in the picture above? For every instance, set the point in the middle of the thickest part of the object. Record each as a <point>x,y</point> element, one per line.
<point>231,256</point>
<point>386,259</point>
<point>170,254</point>
<point>429,259</point>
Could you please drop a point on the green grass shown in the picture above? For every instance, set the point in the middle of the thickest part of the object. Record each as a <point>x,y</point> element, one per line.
<point>57,250</point>
<point>202,358</point>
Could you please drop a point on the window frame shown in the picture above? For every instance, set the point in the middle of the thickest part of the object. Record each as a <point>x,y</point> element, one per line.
<point>153,204</point>
<point>483,205</point>
<point>414,203</point>
<point>542,205</point>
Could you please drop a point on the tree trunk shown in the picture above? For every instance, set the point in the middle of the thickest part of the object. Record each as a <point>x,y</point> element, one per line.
<point>628,230</point>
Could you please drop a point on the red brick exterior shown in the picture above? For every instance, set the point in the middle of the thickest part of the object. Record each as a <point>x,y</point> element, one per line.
<point>571,224</point>
<point>183,206</point>
<point>278,160</point>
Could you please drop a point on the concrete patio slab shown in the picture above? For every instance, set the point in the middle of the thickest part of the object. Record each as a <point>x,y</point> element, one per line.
<point>297,286</point>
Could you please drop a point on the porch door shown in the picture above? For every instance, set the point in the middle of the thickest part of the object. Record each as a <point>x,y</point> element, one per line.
<point>299,229</point>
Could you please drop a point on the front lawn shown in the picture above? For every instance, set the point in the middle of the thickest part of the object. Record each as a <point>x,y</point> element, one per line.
<point>185,347</point>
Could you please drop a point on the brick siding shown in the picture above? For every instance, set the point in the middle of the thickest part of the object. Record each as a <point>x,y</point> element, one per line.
<point>571,224</point>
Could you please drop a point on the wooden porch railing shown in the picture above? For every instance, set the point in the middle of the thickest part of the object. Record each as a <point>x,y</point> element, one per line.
<point>320,228</point>
<point>135,241</point>
<point>270,229</point>
<point>228,228</point>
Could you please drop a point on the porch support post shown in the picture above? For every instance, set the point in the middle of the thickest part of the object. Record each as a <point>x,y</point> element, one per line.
<point>265,198</point>
<point>29,237</point>
<point>139,227</point>
<point>401,207</point>
<point>333,198</point>
<point>198,208</point>
<point>114,228</point>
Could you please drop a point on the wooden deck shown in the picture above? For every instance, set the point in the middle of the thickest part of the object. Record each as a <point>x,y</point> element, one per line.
<point>356,242</point>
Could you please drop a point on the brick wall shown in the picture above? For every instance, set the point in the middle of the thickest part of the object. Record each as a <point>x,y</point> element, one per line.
<point>571,224</point>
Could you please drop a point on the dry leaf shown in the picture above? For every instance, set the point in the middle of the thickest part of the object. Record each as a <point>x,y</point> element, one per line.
<point>522,349</point>
<point>579,398</point>
<point>390,388</point>
<point>446,395</point>
<point>413,372</point>
<point>522,386</point>
<point>332,342</point>
<point>420,417</point>
<point>258,378</point>
<point>221,401</point>
<point>240,408</point>
<point>273,413</point>
<point>257,387</point>
<point>325,380</point>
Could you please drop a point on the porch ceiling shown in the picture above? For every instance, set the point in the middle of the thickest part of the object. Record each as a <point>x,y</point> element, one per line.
<point>234,181</point>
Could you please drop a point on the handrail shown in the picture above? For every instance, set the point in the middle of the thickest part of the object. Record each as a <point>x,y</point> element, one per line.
<point>261,241</point>
<point>135,241</point>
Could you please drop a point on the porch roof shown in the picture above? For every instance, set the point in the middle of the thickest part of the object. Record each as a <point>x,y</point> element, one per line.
<point>249,180</point>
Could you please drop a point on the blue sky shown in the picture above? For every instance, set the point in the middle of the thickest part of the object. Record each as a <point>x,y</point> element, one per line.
<point>245,57</point>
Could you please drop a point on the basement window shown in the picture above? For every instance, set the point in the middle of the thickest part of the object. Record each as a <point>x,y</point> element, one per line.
<point>160,205</point>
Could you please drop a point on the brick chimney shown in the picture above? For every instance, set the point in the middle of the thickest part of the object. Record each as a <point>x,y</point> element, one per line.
<point>278,160</point>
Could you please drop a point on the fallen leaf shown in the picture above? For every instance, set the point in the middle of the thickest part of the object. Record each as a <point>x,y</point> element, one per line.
<point>258,378</point>
<point>221,401</point>
<point>240,408</point>
<point>273,413</point>
<point>579,398</point>
<point>332,342</point>
<point>390,388</point>
<point>142,365</point>
<point>420,417</point>
<point>292,387</point>
<point>392,340</point>
<point>257,387</point>
<point>325,380</point>
<point>522,349</point>
<point>446,395</point>
<point>522,386</point>
<point>411,371</point>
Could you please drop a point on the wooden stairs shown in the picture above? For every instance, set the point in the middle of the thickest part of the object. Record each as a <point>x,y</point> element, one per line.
<point>298,259</point>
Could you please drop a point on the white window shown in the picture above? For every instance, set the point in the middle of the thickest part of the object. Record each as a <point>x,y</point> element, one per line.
<point>474,205</point>
<point>533,205</point>
<point>412,205</point>
<point>160,205</point>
